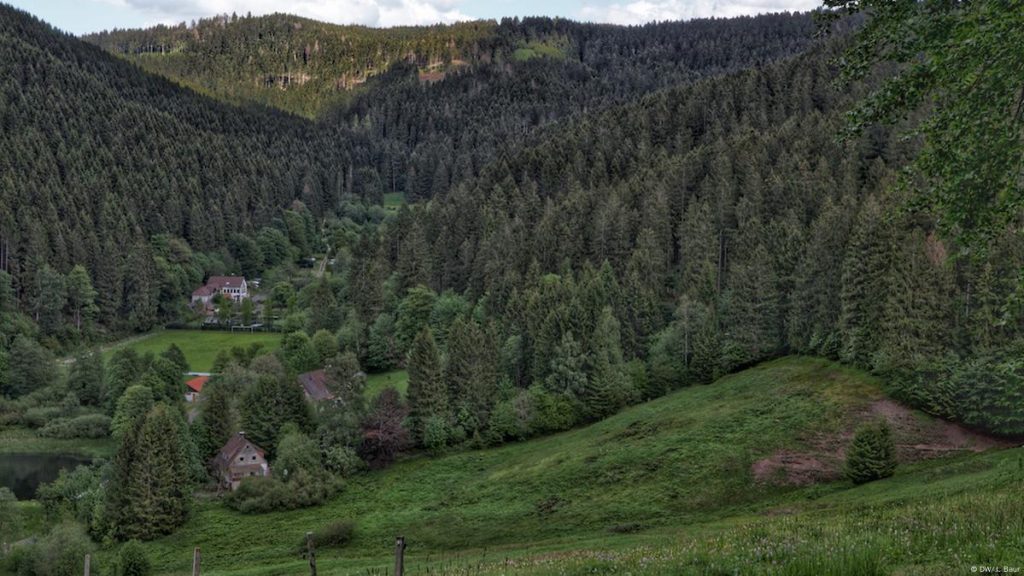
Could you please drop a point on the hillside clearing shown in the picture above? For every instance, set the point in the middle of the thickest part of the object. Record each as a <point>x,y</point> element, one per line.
<point>691,454</point>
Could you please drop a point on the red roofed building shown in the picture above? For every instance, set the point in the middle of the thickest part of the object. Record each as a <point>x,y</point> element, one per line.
<point>193,387</point>
<point>239,459</point>
<point>233,287</point>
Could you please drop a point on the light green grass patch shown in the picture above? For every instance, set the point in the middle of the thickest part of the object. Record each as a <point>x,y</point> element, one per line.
<point>375,383</point>
<point>199,346</point>
<point>393,200</point>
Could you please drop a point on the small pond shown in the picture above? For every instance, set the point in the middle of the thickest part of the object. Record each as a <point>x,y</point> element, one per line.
<point>23,473</point>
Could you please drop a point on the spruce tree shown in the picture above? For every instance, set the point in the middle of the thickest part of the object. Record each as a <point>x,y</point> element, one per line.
<point>81,297</point>
<point>215,417</point>
<point>607,389</point>
<point>269,404</point>
<point>427,393</point>
<point>86,378</point>
<point>157,490</point>
<point>872,454</point>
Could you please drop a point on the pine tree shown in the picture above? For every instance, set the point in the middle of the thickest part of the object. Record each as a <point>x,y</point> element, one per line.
<point>872,455</point>
<point>216,418</point>
<point>81,297</point>
<point>269,404</point>
<point>568,369</point>
<point>175,355</point>
<point>86,378</point>
<point>413,314</point>
<point>157,491</point>
<point>31,367</point>
<point>427,393</point>
<point>347,381</point>
<point>132,407</point>
<point>607,389</point>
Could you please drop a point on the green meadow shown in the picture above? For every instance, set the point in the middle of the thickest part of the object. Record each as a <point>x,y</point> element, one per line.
<point>398,379</point>
<point>199,346</point>
<point>568,503</point>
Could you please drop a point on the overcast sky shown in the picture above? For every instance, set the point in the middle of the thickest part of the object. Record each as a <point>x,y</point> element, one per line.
<point>81,16</point>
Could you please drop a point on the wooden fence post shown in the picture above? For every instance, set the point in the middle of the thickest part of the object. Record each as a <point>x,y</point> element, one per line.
<point>88,561</point>
<point>195,561</point>
<point>311,551</point>
<point>399,556</point>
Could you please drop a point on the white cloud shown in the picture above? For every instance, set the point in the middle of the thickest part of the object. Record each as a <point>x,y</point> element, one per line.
<point>367,12</point>
<point>643,11</point>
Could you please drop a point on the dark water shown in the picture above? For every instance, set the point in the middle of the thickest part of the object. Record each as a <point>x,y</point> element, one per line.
<point>23,473</point>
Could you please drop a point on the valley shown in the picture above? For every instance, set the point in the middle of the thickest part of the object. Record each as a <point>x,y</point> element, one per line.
<point>540,296</point>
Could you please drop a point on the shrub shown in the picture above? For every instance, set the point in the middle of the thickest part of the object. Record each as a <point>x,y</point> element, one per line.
<point>343,461</point>
<point>872,455</point>
<point>334,535</point>
<point>39,416</point>
<point>436,434</point>
<point>132,560</point>
<point>260,495</point>
<point>61,552</point>
<point>85,426</point>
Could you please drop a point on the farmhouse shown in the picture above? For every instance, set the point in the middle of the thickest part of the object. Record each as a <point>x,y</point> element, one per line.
<point>239,459</point>
<point>314,386</point>
<point>193,387</point>
<point>233,287</point>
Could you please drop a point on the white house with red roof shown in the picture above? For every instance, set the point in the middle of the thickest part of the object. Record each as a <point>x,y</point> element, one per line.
<point>233,287</point>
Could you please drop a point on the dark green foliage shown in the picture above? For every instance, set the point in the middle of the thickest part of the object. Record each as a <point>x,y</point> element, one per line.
<point>87,379</point>
<point>123,369</point>
<point>414,312</point>
<point>61,552</point>
<point>297,353</point>
<point>74,495</point>
<point>150,492</point>
<point>268,404</point>
<point>132,407</point>
<point>30,367</point>
<point>132,560</point>
<point>428,396</point>
<point>216,417</point>
<point>268,494</point>
<point>10,517</point>
<point>84,426</point>
<point>872,454</point>
<point>953,64</point>
<point>176,356</point>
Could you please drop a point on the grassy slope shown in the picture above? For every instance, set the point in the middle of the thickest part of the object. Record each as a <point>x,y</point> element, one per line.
<point>668,465</point>
<point>200,346</point>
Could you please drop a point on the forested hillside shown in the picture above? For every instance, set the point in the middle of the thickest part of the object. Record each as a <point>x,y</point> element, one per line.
<point>100,159</point>
<point>527,226</point>
<point>444,101</point>
<point>134,161</point>
<point>716,225</point>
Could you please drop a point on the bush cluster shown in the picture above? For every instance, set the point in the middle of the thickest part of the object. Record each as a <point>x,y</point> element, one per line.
<point>85,426</point>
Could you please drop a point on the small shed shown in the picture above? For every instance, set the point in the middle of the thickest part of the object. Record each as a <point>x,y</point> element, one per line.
<point>193,387</point>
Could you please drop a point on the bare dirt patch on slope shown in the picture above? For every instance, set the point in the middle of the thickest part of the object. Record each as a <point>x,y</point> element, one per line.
<point>916,435</point>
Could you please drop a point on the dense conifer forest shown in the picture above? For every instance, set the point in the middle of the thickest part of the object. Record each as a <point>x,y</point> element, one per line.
<point>582,218</point>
